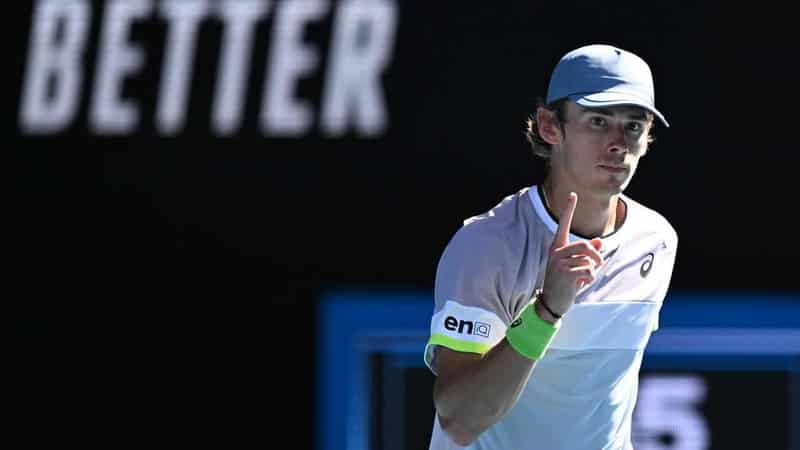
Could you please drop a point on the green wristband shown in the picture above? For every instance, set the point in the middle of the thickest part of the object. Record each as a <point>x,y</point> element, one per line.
<point>530,334</point>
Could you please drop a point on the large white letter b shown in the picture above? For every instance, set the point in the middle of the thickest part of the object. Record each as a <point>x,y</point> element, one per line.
<point>51,90</point>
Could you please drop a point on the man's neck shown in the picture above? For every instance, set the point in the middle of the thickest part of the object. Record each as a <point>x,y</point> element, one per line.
<point>595,215</point>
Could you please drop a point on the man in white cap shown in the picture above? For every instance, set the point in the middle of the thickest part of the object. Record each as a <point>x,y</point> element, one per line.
<point>544,304</point>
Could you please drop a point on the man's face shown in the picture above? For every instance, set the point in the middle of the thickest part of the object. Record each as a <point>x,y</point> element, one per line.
<point>602,146</point>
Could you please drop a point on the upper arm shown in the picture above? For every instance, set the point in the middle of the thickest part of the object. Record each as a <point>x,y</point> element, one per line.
<point>447,362</point>
<point>471,310</point>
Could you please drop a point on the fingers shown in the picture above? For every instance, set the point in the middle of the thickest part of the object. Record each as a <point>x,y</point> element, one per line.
<point>579,261</point>
<point>579,270</point>
<point>565,221</point>
<point>575,262</point>
<point>578,267</point>
<point>583,275</point>
<point>579,248</point>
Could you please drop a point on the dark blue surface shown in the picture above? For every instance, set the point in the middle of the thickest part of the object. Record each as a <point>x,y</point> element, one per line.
<point>731,310</point>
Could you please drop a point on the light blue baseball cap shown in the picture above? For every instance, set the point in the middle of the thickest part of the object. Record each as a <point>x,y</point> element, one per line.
<point>602,75</point>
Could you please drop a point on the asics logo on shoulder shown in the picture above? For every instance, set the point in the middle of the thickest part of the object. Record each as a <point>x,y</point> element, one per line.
<point>647,265</point>
<point>467,326</point>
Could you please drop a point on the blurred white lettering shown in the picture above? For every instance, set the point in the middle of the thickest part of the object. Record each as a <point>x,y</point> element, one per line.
<point>348,97</point>
<point>667,415</point>
<point>361,49</point>
<point>59,63</point>
<point>290,60</point>
<point>109,113</point>
<point>184,17</point>
<point>240,17</point>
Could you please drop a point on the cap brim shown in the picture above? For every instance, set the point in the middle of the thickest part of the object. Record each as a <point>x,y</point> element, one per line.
<point>601,99</point>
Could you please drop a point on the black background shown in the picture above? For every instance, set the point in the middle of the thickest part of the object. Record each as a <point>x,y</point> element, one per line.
<point>179,277</point>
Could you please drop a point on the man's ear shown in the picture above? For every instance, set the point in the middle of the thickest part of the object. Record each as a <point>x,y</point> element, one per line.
<point>548,125</point>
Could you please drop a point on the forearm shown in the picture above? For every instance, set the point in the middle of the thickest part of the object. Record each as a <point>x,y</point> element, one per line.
<point>473,394</point>
<point>471,400</point>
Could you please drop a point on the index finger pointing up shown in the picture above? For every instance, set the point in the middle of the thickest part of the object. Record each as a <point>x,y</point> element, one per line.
<point>565,221</point>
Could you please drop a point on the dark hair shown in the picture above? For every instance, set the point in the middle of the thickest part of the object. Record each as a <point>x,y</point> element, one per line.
<point>542,148</point>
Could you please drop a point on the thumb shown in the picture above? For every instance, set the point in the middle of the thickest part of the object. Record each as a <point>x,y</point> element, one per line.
<point>597,244</point>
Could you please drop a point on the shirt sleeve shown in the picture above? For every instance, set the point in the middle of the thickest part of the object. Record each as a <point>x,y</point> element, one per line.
<point>471,293</point>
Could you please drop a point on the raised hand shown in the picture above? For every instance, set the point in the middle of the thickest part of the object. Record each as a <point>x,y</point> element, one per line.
<point>570,266</point>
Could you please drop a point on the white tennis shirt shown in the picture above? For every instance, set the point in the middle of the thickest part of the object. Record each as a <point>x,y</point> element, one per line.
<point>582,393</point>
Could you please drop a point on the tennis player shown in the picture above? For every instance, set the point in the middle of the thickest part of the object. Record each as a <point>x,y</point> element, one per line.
<point>545,303</point>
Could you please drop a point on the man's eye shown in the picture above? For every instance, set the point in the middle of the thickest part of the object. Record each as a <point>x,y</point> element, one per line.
<point>598,121</point>
<point>635,127</point>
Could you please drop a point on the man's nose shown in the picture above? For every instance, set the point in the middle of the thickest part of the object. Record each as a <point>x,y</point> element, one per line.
<point>618,141</point>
